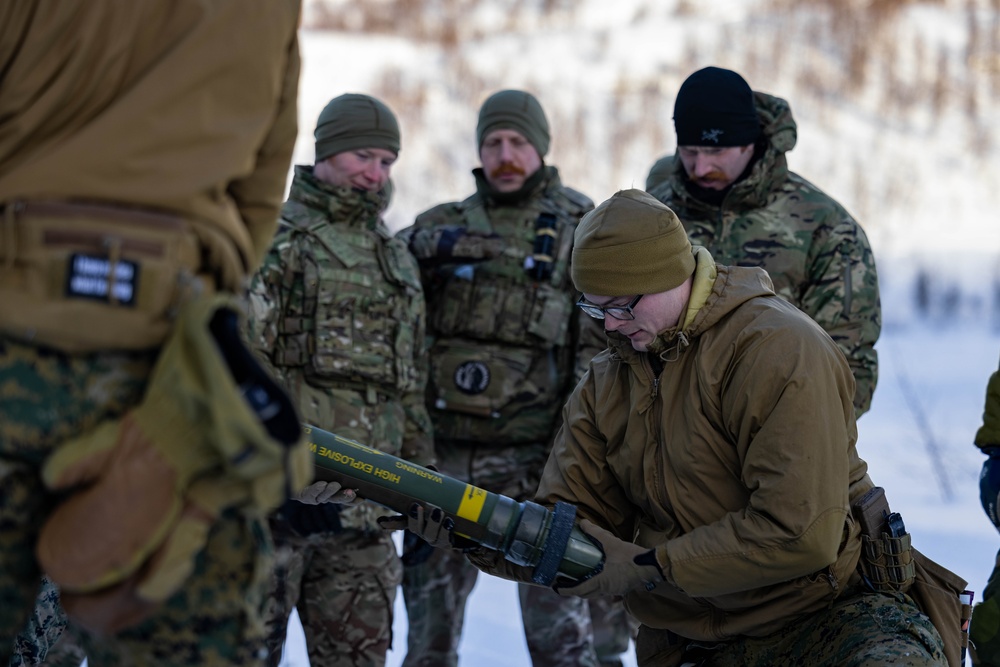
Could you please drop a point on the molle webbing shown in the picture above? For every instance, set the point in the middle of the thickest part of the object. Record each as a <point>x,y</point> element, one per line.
<point>347,319</point>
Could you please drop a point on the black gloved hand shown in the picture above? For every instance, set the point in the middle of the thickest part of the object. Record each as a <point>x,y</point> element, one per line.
<point>454,244</point>
<point>429,524</point>
<point>989,484</point>
<point>305,520</point>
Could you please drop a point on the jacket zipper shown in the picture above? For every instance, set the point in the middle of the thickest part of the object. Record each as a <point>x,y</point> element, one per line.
<point>845,255</point>
<point>659,478</point>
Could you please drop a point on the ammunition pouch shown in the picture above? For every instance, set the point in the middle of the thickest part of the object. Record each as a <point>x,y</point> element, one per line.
<point>82,277</point>
<point>479,379</point>
<point>502,310</point>
<point>348,325</point>
<point>887,562</point>
<point>887,554</point>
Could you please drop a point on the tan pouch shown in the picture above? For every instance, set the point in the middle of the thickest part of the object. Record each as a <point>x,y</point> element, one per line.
<point>887,562</point>
<point>480,379</point>
<point>936,591</point>
<point>82,276</point>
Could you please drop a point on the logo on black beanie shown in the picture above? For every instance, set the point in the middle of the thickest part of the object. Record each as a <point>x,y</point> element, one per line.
<point>720,100</point>
<point>712,135</point>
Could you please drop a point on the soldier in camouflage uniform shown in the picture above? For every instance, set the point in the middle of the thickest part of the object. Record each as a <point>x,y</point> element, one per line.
<point>504,354</point>
<point>730,185</point>
<point>984,630</point>
<point>338,313</point>
<point>44,639</point>
<point>82,152</point>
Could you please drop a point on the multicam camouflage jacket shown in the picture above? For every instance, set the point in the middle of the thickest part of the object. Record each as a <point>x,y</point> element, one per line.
<point>337,311</point>
<point>505,335</point>
<point>816,254</point>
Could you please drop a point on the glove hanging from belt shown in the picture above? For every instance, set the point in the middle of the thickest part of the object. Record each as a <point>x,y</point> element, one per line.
<point>212,432</point>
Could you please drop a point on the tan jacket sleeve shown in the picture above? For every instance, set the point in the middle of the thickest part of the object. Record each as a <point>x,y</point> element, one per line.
<point>259,195</point>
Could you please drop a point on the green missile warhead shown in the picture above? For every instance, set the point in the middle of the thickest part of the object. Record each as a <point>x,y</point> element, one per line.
<point>525,533</point>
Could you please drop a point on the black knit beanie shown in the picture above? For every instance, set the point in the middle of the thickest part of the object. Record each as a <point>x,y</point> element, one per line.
<point>714,107</point>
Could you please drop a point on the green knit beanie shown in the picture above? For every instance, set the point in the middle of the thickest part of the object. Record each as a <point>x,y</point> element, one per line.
<point>630,244</point>
<point>988,434</point>
<point>354,121</point>
<point>515,110</point>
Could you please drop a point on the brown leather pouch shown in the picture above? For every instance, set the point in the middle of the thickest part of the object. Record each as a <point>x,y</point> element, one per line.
<point>82,276</point>
<point>936,591</point>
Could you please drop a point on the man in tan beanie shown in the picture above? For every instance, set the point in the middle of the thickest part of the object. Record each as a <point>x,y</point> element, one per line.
<point>710,452</point>
<point>508,348</point>
<point>338,313</point>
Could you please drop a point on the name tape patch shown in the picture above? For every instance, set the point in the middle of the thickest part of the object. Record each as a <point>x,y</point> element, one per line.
<point>89,277</point>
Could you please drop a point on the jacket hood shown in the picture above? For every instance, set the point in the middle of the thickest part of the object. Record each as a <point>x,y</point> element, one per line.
<point>340,204</point>
<point>780,134</point>
<point>775,115</point>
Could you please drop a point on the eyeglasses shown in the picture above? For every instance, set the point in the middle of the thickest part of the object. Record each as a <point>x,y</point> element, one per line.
<point>617,312</point>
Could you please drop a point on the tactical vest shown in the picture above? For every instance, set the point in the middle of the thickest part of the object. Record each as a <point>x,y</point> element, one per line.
<point>502,353</point>
<point>348,317</point>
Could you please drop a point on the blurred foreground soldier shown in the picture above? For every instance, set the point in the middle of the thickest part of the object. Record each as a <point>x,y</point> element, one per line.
<point>44,641</point>
<point>710,451</point>
<point>984,631</point>
<point>504,355</point>
<point>338,312</point>
<point>730,185</point>
<point>142,165</point>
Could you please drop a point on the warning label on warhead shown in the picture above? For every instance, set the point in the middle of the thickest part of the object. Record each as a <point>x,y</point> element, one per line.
<point>348,461</point>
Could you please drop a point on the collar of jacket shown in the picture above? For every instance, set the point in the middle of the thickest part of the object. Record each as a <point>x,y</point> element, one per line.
<point>670,343</point>
<point>766,173</point>
<point>716,292</point>
<point>342,205</point>
<point>543,179</point>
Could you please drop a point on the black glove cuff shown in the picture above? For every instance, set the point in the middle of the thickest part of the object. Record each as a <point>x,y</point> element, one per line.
<point>306,520</point>
<point>647,558</point>
<point>989,487</point>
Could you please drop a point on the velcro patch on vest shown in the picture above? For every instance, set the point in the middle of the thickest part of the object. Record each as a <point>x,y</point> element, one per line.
<point>89,277</point>
<point>472,377</point>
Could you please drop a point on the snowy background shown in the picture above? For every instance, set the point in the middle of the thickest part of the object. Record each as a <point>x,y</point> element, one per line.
<point>897,105</point>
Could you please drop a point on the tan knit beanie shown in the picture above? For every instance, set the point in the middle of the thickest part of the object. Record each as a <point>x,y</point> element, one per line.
<point>630,244</point>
